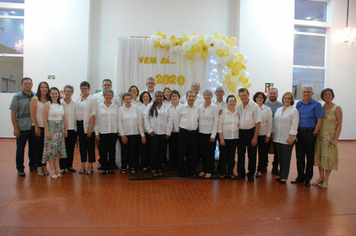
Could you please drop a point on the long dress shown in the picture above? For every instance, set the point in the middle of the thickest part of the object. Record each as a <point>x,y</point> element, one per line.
<point>326,156</point>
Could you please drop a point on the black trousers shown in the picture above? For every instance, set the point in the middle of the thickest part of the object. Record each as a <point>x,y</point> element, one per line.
<point>305,149</point>
<point>206,152</point>
<point>70,142</point>
<point>107,150</point>
<point>145,152</point>
<point>158,151</point>
<point>130,151</point>
<point>263,148</point>
<point>285,154</point>
<point>245,138</point>
<point>227,156</point>
<point>189,148</point>
<point>275,162</point>
<point>38,142</point>
<point>173,149</point>
<point>86,145</point>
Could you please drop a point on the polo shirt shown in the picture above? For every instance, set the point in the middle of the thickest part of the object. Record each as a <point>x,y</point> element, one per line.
<point>21,103</point>
<point>309,112</point>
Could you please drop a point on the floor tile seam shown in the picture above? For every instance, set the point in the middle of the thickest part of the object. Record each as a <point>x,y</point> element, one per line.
<point>15,198</point>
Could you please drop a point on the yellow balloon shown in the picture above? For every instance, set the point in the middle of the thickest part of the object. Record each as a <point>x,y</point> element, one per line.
<point>220,52</point>
<point>194,34</point>
<point>216,36</point>
<point>238,99</point>
<point>164,36</point>
<point>190,54</point>
<point>235,71</point>
<point>204,54</point>
<point>244,67</point>
<point>231,87</point>
<point>228,78</point>
<point>156,44</point>
<point>167,47</point>
<point>230,64</point>
<point>175,42</point>
<point>201,42</point>
<point>202,37</point>
<point>232,41</point>
<point>184,38</point>
<point>180,42</point>
<point>226,54</point>
<point>243,79</point>
<point>197,48</point>
<point>205,48</point>
<point>240,65</point>
<point>158,33</point>
<point>226,39</point>
<point>247,85</point>
<point>239,57</point>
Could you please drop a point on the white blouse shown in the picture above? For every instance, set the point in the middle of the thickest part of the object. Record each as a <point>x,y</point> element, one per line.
<point>85,110</point>
<point>56,112</point>
<point>208,119</point>
<point>163,123</point>
<point>106,119</point>
<point>249,116</point>
<point>137,102</point>
<point>141,110</point>
<point>220,105</point>
<point>229,124</point>
<point>266,121</point>
<point>129,123</point>
<point>188,117</point>
<point>70,112</point>
<point>175,117</point>
<point>39,112</point>
<point>286,124</point>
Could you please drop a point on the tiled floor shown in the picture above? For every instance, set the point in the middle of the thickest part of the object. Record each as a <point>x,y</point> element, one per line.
<point>113,205</point>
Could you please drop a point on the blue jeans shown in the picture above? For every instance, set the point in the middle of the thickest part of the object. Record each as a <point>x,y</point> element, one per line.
<point>20,150</point>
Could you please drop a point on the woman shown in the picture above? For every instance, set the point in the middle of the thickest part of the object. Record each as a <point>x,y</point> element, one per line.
<point>326,152</point>
<point>135,93</point>
<point>285,129</point>
<point>173,140</point>
<point>37,128</point>
<point>69,106</point>
<point>228,129</point>
<point>106,130</point>
<point>130,128</point>
<point>86,110</point>
<point>55,129</point>
<point>264,134</point>
<point>167,94</point>
<point>158,122</point>
<point>208,123</point>
<point>145,98</point>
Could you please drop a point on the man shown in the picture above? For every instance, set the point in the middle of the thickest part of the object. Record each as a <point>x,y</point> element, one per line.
<point>188,137</point>
<point>311,117</point>
<point>249,127</point>
<point>107,84</point>
<point>150,84</point>
<point>21,121</point>
<point>274,104</point>
<point>219,101</point>
<point>199,98</point>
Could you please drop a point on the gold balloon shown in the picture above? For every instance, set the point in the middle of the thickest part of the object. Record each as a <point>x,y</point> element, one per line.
<point>228,78</point>
<point>232,41</point>
<point>180,42</point>
<point>239,99</point>
<point>247,85</point>
<point>175,42</point>
<point>172,38</point>
<point>240,65</point>
<point>244,67</point>
<point>190,54</point>
<point>167,46</point>
<point>239,57</point>
<point>226,39</point>
<point>216,36</point>
<point>158,33</point>
<point>205,48</point>
<point>184,38</point>
<point>164,36</point>
<point>231,87</point>
<point>197,48</point>
<point>231,64</point>
<point>201,42</point>
<point>220,52</point>
<point>194,34</point>
<point>243,79</point>
<point>235,71</point>
<point>204,54</point>
<point>202,37</point>
<point>156,44</point>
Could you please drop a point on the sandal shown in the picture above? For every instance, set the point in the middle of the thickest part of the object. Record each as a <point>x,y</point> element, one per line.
<point>207,176</point>
<point>132,170</point>
<point>45,171</point>
<point>222,177</point>
<point>160,172</point>
<point>81,172</point>
<point>259,174</point>
<point>122,171</point>
<point>59,173</point>
<point>324,185</point>
<point>317,182</point>
<point>54,176</point>
<point>201,174</point>
<point>232,176</point>
<point>154,173</point>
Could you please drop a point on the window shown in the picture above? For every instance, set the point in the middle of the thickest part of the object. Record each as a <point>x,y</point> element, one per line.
<point>11,45</point>
<point>310,37</point>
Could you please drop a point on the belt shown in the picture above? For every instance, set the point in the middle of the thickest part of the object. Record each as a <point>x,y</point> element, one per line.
<point>306,129</point>
<point>189,131</point>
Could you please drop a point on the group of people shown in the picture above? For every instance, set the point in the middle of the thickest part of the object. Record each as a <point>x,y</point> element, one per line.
<point>148,123</point>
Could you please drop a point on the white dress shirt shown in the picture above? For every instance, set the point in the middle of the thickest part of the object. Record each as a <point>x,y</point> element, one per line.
<point>87,109</point>
<point>106,119</point>
<point>141,110</point>
<point>266,121</point>
<point>163,123</point>
<point>229,124</point>
<point>286,124</point>
<point>129,123</point>
<point>115,100</point>
<point>249,116</point>
<point>70,113</point>
<point>175,117</point>
<point>208,119</point>
<point>198,100</point>
<point>220,105</point>
<point>39,112</point>
<point>137,102</point>
<point>188,117</point>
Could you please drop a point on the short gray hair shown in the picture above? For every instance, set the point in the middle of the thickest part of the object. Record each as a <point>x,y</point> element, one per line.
<point>108,91</point>
<point>219,87</point>
<point>68,86</point>
<point>150,78</point>
<point>193,83</point>
<point>190,91</point>
<point>208,91</point>
<point>308,86</point>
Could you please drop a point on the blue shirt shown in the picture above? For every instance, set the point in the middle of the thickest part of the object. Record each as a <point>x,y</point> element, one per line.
<point>309,113</point>
<point>21,103</point>
<point>274,107</point>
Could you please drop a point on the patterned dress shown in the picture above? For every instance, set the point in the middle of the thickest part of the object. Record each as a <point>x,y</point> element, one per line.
<point>327,157</point>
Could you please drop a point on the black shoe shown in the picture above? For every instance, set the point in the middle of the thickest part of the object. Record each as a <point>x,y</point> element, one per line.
<point>115,167</point>
<point>111,172</point>
<point>103,172</point>
<point>275,172</point>
<point>251,179</point>
<point>307,184</point>
<point>71,169</point>
<point>297,181</point>
<point>99,166</point>
<point>21,173</point>
<point>278,179</point>
<point>63,172</point>
<point>240,177</point>
<point>33,168</point>
<point>282,181</point>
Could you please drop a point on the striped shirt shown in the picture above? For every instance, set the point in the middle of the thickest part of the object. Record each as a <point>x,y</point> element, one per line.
<point>21,103</point>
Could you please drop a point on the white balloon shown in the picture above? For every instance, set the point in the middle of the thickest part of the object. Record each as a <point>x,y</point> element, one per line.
<point>172,49</point>
<point>247,74</point>
<point>163,42</point>
<point>178,48</point>
<point>186,46</point>
<point>212,51</point>
<point>234,49</point>
<point>228,70</point>
<point>169,42</point>
<point>153,37</point>
<point>241,73</point>
<point>194,40</point>
<point>245,60</point>
<point>231,56</point>
<point>227,48</point>
<point>181,51</point>
<point>159,38</point>
<point>234,79</point>
<point>220,44</point>
<point>224,61</point>
<point>208,40</point>
<point>238,88</point>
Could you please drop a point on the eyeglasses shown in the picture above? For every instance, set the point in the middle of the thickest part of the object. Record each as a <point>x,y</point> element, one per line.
<point>194,86</point>
<point>219,92</point>
<point>83,88</point>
